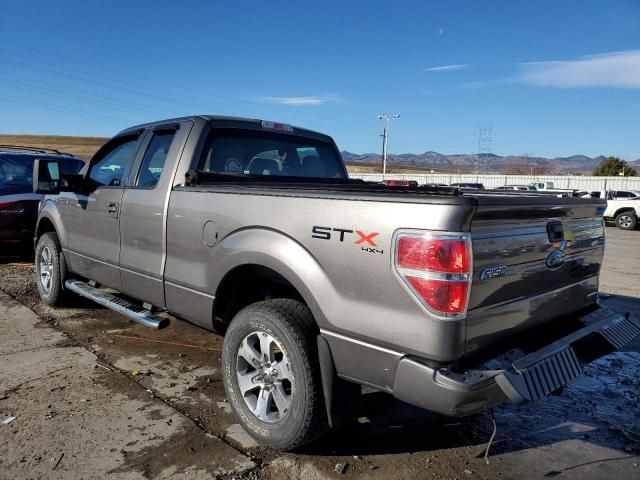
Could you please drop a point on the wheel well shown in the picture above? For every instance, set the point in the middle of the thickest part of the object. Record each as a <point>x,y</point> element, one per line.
<point>245,285</point>
<point>622,210</point>
<point>45,225</point>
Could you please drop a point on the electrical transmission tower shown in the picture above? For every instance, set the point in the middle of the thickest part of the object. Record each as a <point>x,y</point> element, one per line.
<point>485,137</point>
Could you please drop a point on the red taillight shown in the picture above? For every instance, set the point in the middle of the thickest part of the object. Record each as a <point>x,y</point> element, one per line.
<point>6,204</point>
<point>434,254</point>
<point>446,297</point>
<point>437,271</point>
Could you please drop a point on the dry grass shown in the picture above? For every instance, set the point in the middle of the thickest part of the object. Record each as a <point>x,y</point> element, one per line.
<point>83,147</point>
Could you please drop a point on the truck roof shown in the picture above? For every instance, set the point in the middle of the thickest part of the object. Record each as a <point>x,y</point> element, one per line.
<point>223,121</point>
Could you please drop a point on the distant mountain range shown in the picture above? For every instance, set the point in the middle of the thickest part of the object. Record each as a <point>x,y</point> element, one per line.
<point>485,162</point>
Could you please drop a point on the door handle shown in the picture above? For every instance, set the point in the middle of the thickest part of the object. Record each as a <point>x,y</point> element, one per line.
<point>113,210</point>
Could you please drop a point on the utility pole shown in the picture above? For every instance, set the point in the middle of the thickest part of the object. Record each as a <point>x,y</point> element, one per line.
<point>385,135</point>
<point>485,136</point>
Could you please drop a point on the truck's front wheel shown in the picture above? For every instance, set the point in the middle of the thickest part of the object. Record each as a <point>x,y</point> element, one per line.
<point>271,373</point>
<point>48,276</point>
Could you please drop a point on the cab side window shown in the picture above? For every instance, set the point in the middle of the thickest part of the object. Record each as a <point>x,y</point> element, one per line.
<point>154,159</point>
<point>114,161</point>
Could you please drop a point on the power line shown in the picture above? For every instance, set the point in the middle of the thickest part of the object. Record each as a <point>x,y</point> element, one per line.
<point>57,108</point>
<point>75,74</point>
<point>22,84</point>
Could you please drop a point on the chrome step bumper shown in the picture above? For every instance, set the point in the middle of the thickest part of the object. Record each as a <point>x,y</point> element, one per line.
<point>553,366</point>
<point>528,378</point>
<point>117,304</point>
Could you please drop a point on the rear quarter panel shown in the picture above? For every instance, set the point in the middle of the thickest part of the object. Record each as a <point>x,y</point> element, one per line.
<point>351,291</point>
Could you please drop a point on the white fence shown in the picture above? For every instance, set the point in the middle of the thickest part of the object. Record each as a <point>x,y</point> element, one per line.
<point>492,181</point>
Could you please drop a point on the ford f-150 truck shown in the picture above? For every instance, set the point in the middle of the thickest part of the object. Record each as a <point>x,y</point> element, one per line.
<point>451,300</point>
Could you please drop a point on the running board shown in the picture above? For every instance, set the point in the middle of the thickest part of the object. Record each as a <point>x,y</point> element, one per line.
<point>117,304</point>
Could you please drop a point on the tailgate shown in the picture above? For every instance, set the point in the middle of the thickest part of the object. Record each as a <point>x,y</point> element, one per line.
<point>532,263</point>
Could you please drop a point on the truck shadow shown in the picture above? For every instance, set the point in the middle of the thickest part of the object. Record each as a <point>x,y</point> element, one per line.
<point>601,407</point>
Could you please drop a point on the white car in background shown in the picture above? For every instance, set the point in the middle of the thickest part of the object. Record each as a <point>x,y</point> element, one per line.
<point>613,194</point>
<point>548,187</point>
<point>624,213</point>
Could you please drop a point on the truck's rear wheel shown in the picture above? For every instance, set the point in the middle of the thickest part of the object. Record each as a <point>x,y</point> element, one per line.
<point>48,276</point>
<point>271,373</point>
<point>626,220</point>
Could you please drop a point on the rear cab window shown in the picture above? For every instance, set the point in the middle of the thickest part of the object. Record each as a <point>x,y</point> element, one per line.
<point>269,154</point>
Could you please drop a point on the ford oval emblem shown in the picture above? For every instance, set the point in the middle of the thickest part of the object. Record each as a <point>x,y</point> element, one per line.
<point>557,257</point>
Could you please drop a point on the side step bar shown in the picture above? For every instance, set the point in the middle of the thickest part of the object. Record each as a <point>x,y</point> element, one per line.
<point>117,304</point>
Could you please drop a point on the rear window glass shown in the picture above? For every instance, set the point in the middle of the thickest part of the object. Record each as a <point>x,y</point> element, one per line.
<point>16,171</point>
<point>269,154</point>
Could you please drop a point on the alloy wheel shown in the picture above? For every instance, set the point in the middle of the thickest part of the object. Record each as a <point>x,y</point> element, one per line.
<point>625,221</point>
<point>264,377</point>
<point>46,269</point>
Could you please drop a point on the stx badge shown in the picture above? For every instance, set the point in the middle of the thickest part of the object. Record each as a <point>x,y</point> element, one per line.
<point>367,240</point>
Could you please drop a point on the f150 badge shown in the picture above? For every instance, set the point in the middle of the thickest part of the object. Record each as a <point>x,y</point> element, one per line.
<point>366,241</point>
<point>493,272</point>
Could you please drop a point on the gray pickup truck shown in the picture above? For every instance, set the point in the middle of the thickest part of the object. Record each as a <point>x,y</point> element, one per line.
<point>453,301</point>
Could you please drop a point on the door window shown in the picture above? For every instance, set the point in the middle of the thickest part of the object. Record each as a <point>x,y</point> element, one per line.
<point>154,159</point>
<point>114,161</point>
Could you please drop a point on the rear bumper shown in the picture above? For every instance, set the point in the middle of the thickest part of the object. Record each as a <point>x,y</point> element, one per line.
<point>515,376</point>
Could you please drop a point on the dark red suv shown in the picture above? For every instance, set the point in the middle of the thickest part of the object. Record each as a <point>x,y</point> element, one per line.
<point>18,203</point>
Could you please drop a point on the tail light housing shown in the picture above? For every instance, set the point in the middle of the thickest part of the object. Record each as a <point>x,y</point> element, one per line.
<point>436,270</point>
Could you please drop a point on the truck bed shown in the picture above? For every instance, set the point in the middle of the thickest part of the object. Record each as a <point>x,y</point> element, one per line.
<point>508,229</point>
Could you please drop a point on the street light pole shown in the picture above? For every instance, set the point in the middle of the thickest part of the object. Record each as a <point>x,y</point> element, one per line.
<point>385,135</point>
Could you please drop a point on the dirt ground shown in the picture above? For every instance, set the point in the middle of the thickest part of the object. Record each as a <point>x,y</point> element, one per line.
<point>592,430</point>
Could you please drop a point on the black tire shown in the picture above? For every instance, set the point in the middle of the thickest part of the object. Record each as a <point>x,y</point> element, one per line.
<point>290,325</point>
<point>626,220</point>
<point>51,292</point>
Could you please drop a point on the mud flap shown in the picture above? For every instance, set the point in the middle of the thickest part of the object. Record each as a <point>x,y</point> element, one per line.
<point>341,398</point>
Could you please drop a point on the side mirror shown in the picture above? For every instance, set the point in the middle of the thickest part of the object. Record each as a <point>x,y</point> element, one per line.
<point>46,176</point>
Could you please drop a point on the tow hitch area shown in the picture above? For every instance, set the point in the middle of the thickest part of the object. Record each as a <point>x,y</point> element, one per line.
<point>538,374</point>
<point>516,376</point>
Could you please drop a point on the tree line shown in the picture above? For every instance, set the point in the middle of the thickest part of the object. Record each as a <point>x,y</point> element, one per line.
<point>526,165</point>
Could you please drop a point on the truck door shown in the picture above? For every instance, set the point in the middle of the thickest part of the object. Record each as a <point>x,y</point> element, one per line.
<point>92,218</point>
<point>143,213</point>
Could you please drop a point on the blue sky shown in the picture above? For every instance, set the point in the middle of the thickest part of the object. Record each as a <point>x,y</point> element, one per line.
<point>551,77</point>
